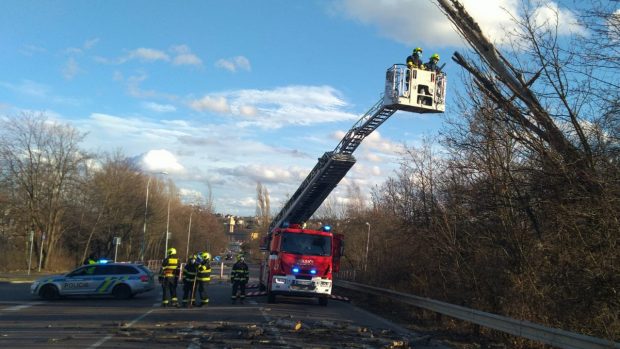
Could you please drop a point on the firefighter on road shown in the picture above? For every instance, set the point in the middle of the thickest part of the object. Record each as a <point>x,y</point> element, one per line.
<point>168,278</point>
<point>203,277</point>
<point>189,281</point>
<point>239,277</point>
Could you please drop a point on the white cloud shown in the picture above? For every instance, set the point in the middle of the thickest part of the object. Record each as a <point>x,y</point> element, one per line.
<point>263,173</point>
<point>549,15</point>
<point>235,63</point>
<point>191,196</point>
<point>613,26</point>
<point>159,108</point>
<point>71,69</point>
<point>133,85</point>
<point>217,104</point>
<point>160,160</point>
<point>40,91</point>
<point>247,110</point>
<point>184,56</point>
<point>290,105</point>
<point>421,23</point>
<point>187,59</point>
<point>146,54</point>
<point>88,44</point>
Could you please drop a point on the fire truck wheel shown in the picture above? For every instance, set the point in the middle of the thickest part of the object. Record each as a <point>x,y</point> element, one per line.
<point>323,301</point>
<point>271,298</point>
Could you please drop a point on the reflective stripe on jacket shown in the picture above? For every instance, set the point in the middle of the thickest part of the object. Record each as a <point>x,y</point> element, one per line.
<point>168,267</point>
<point>240,272</point>
<point>204,272</point>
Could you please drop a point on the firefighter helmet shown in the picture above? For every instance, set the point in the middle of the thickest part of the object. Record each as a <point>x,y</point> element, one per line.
<point>435,56</point>
<point>417,49</point>
<point>240,257</point>
<point>172,251</point>
<point>205,256</point>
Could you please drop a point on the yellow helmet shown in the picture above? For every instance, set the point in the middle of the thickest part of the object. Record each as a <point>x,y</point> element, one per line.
<point>435,56</point>
<point>172,250</point>
<point>205,256</point>
<point>417,49</point>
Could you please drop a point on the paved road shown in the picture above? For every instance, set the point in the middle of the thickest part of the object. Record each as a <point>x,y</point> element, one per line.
<point>86,322</point>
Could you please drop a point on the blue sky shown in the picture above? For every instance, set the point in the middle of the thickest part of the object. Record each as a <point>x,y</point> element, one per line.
<point>223,94</point>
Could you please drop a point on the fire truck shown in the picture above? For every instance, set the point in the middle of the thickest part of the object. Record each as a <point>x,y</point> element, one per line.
<point>300,261</point>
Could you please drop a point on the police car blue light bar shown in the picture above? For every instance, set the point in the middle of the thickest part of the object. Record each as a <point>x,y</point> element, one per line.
<point>295,269</point>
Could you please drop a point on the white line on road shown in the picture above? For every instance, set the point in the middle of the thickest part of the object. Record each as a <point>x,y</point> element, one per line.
<point>20,307</point>
<point>108,337</point>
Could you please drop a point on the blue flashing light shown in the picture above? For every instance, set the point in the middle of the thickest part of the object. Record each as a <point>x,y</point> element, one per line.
<point>103,261</point>
<point>327,228</point>
<point>312,271</point>
<point>295,269</point>
<point>285,224</point>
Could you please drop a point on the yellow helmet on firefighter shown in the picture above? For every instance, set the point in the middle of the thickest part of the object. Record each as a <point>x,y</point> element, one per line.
<point>417,49</point>
<point>206,256</point>
<point>435,56</point>
<point>172,251</point>
<point>240,257</point>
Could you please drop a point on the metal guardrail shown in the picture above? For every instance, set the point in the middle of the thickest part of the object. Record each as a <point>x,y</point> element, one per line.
<point>525,329</point>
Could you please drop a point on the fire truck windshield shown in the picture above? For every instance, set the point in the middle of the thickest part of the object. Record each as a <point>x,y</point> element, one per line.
<point>306,244</point>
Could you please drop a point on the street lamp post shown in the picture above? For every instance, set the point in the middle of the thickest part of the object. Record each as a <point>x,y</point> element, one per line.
<point>189,231</point>
<point>31,240</point>
<point>146,206</point>
<point>167,228</point>
<point>367,245</point>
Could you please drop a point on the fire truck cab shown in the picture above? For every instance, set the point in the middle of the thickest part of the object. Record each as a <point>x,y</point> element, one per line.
<point>300,262</point>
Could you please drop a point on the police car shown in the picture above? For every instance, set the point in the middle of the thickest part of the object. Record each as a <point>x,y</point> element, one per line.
<point>121,280</point>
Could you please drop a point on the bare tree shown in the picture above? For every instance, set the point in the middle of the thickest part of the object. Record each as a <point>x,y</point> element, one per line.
<point>43,160</point>
<point>263,206</point>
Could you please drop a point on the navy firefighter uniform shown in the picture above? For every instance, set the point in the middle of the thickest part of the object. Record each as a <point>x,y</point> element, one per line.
<point>239,277</point>
<point>168,278</point>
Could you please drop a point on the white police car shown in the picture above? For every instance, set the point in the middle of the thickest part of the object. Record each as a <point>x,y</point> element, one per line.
<point>121,280</point>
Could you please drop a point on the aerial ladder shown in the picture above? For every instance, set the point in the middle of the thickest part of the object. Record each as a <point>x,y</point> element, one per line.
<point>407,89</point>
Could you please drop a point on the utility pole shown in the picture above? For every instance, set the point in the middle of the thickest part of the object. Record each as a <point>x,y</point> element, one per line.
<point>189,231</point>
<point>367,245</point>
<point>41,253</point>
<point>31,240</point>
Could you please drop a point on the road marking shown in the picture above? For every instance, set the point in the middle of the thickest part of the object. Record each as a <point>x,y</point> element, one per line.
<point>108,337</point>
<point>139,318</point>
<point>101,341</point>
<point>22,306</point>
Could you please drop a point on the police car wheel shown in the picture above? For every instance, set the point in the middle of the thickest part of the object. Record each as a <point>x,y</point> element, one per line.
<point>49,292</point>
<point>121,291</point>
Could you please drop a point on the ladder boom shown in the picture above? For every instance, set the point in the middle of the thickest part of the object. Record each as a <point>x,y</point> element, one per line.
<point>406,89</point>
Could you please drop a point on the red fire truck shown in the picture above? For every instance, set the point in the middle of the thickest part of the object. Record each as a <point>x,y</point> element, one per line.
<point>300,261</point>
